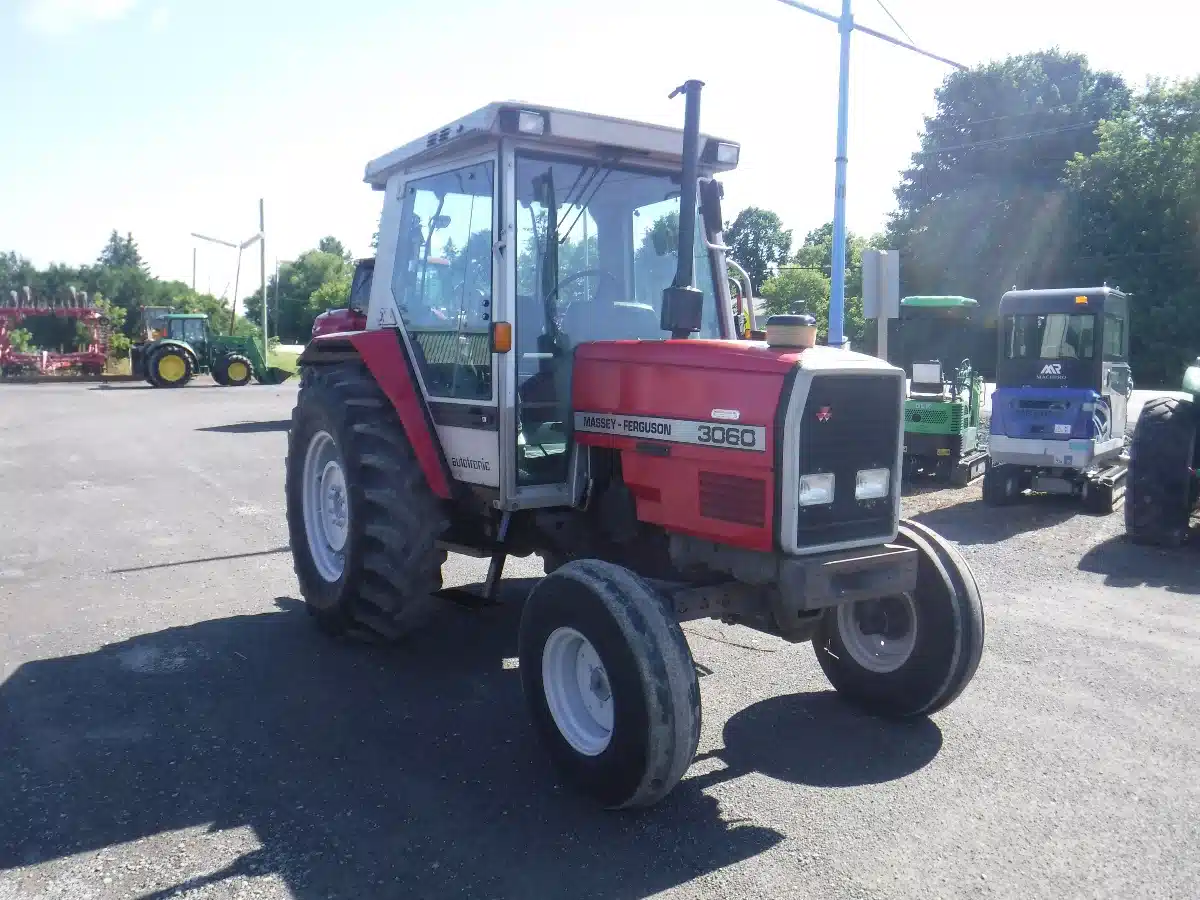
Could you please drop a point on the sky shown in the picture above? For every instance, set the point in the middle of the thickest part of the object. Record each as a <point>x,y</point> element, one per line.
<point>166,117</point>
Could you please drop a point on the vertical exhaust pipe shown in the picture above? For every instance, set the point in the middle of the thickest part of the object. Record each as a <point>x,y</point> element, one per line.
<point>683,304</point>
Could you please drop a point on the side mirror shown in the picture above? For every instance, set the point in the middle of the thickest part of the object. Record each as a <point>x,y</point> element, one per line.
<point>438,222</point>
<point>682,311</point>
<point>711,193</point>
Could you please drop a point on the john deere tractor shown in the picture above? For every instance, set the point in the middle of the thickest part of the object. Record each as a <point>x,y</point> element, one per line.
<point>179,346</point>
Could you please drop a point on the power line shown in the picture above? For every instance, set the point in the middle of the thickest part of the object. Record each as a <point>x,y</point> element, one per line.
<point>895,22</point>
<point>992,142</point>
<point>969,123</point>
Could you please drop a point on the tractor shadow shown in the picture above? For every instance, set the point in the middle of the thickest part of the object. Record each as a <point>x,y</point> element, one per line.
<point>362,771</point>
<point>250,427</point>
<point>818,740</point>
<point>1124,564</point>
<point>974,522</point>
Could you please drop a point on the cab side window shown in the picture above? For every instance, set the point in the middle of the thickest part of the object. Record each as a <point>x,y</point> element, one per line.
<point>442,280</point>
<point>1114,337</point>
<point>193,330</point>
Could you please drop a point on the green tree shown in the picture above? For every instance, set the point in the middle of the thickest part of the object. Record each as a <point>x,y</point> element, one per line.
<point>797,290</point>
<point>1136,203</point>
<point>982,206</point>
<point>298,282</point>
<point>121,252</point>
<point>332,245</point>
<point>759,243</point>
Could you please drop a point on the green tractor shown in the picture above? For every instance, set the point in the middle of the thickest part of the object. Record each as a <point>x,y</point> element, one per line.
<point>1162,489</point>
<point>178,346</point>
<point>942,415</point>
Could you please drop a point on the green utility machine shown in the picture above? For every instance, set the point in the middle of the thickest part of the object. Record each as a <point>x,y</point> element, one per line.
<point>942,410</point>
<point>177,346</point>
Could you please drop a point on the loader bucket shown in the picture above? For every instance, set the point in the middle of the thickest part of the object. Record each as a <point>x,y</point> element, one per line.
<point>274,375</point>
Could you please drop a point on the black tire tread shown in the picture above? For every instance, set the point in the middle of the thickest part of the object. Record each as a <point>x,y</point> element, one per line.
<point>1158,488</point>
<point>172,351</point>
<point>396,519</point>
<point>223,365</point>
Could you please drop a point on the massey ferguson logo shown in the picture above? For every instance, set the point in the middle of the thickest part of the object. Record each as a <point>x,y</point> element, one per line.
<point>1051,370</point>
<point>824,414</point>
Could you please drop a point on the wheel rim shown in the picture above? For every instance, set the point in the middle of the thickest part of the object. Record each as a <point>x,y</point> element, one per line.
<point>326,506</point>
<point>879,634</point>
<point>578,691</point>
<point>237,371</point>
<point>171,367</point>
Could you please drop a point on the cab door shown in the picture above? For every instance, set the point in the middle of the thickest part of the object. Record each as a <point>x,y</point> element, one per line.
<point>1116,376</point>
<point>436,284</point>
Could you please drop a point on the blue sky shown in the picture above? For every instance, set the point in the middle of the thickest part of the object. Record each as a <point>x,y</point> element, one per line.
<point>164,117</point>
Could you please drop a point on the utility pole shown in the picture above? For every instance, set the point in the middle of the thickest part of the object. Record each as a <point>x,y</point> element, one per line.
<point>193,270</point>
<point>262,258</point>
<point>846,25</point>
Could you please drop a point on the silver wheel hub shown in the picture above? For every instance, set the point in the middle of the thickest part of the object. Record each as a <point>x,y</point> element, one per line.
<point>578,691</point>
<point>326,506</point>
<point>879,634</point>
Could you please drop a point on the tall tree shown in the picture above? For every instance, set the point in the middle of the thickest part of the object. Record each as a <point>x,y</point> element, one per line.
<point>121,252</point>
<point>1136,201</point>
<point>982,206</point>
<point>759,243</point>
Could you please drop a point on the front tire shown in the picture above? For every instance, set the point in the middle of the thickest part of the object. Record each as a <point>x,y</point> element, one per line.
<point>1159,488</point>
<point>362,520</point>
<point>909,656</point>
<point>235,370</point>
<point>610,683</point>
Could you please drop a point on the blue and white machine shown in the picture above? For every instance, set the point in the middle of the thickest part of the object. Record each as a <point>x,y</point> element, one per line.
<point>1060,407</point>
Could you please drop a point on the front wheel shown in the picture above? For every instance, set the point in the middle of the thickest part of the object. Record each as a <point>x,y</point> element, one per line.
<point>1002,485</point>
<point>1160,490</point>
<point>911,655</point>
<point>610,683</point>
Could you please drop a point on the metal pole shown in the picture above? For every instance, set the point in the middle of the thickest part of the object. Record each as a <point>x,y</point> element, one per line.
<point>262,259</point>
<point>233,306</point>
<point>277,294</point>
<point>837,274</point>
<point>193,270</point>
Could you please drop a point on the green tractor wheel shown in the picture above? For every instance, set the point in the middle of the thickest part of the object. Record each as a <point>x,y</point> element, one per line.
<point>170,367</point>
<point>233,370</point>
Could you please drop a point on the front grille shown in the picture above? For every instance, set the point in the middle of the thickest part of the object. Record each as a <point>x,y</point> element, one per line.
<point>733,498</point>
<point>850,422</point>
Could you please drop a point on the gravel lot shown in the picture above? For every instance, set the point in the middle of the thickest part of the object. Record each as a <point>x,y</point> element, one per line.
<point>171,725</point>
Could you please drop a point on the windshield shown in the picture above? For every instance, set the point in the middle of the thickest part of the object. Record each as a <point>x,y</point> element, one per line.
<point>1050,336</point>
<point>596,247</point>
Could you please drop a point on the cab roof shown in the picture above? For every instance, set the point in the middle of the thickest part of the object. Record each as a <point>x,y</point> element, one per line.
<point>559,128</point>
<point>939,302</point>
<point>1063,300</point>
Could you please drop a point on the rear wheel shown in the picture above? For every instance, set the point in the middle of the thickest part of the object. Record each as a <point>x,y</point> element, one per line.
<point>362,520</point>
<point>234,370</point>
<point>610,683</point>
<point>1160,485</point>
<point>171,367</point>
<point>1002,484</point>
<point>911,655</point>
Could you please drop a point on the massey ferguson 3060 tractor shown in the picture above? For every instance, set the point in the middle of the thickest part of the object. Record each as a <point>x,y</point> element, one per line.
<point>572,387</point>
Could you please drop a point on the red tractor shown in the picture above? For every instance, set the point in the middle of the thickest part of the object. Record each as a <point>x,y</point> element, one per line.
<point>569,383</point>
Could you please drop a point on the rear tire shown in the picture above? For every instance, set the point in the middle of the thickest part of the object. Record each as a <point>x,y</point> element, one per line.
<point>1159,487</point>
<point>1002,485</point>
<point>909,668</point>
<point>362,520</point>
<point>610,683</point>
<point>170,367</point>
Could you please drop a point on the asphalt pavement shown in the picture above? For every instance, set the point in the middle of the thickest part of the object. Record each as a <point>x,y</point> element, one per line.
<point>171,724</point>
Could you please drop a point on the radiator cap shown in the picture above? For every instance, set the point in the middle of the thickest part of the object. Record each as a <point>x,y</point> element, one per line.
<point>794,331</point>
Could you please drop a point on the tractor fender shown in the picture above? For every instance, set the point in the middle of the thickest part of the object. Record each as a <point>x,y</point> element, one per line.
<point>385,358</point>
<point>169,342</point>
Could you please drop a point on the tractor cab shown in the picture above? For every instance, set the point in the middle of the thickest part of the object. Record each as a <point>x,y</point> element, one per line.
<point>189,328</point>
<point>1060,409</point>
<point>521,233</point>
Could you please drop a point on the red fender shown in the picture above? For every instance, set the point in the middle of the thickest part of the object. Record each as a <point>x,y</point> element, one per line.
<point>384,355</point>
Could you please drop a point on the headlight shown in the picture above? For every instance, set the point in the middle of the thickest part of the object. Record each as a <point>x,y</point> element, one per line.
<point>871,484</point>
<point>816,489</point>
